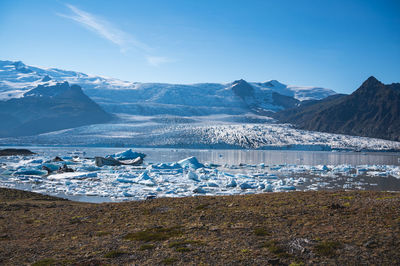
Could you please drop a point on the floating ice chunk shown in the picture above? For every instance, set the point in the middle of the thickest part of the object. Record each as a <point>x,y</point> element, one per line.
<point>272,176</point>
<point>212,184</point>
<point>51,166</point>
<point>144,176</point>
<point>322,168</point>
<point>145,179</point>
<point>190,162</point>
<point>204,177</point>
<point>287,188</point>
<point>127,194</point>
<point>192,175</point>
<point>7,172</point>
<point>200,190</point>
<point>37,161</point>
<point>227,174</point>
<point>87,175</point>
<point>268,188</point>
<point>164,166</point>
<point>128,155</point>
<point>231,183</point>
<point>275,167</point>
<point>24,171</point>
<point>67,175</point>
<point>246,185</point>
<point>90,168</point>
<point>124,180</point>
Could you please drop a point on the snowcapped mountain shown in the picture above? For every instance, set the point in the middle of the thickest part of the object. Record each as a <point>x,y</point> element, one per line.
<point>48,108</point>
<point>116,96</point>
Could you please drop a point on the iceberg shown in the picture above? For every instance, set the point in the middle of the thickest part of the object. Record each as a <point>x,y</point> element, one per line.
<point>191,162</point>
<point>164,166</point>
<point>200,190</point>
<point>145,179</point>
<point>193,176</point>
<point>51,166</point>
<point>212,184</point>
<point>232,183</point>
<point>24,171</point>
<point>246,185</point>
<point>127,155</point>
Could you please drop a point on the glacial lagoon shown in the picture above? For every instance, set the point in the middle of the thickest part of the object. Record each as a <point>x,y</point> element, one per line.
<point>166,173</point>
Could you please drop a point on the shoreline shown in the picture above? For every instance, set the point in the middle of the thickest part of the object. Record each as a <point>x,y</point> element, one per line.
<point>290,147</point>
<point>339,227</point>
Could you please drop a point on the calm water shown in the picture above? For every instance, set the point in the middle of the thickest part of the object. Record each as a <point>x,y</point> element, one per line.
<point>235,157</point>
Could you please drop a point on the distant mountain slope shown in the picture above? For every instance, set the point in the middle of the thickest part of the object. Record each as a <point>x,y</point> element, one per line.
<point>48,108</point>
<point>373,110</point>
<point>118,96</point>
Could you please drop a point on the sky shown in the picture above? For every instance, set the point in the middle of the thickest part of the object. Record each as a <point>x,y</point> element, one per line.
<point>332,44</point>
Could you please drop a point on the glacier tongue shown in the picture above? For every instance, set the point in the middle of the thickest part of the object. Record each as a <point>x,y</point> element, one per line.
<point>204,132</point>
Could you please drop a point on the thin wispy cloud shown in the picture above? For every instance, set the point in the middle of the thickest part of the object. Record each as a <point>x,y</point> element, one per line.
<point>158,60</point>
<point>106,30</point>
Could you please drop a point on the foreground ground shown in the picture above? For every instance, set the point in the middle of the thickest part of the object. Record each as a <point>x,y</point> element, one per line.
<point>344,228</point>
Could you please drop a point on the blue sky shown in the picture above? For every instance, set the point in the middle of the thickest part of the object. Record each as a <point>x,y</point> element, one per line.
<point>332,44</point>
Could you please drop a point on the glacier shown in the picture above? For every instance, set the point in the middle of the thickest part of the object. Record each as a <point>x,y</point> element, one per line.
<point>203,132</point>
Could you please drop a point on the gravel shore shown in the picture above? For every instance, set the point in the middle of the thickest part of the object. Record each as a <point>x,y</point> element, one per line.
<point>296,228</point>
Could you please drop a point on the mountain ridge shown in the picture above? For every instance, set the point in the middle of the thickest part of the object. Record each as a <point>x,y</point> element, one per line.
<point>48,108</point>
<point>116,96</point>
<point>373,110</point>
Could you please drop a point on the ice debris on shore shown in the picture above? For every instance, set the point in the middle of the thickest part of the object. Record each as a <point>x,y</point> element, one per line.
<point>186,177</point>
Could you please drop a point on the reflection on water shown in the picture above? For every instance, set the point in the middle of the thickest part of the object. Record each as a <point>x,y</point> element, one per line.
<point>235,157</point>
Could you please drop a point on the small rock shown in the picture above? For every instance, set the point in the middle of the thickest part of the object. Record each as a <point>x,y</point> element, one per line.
<point>275,261</point>
<point>370,244</point>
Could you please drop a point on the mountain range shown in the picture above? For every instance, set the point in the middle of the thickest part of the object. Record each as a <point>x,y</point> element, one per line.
<point>35,100</point>
<point>373,110</point>
<point>116,96</point>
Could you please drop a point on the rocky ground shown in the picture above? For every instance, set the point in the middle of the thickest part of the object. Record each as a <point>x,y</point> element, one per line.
<point>297,228</point>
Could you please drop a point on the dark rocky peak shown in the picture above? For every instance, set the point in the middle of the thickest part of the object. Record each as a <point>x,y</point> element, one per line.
<point>273,84</point>
<point>371,81</point>
<point>46,78</point>
<point>52,90</point>
<point>21,67</point>
<point>370,86</point>
<point>19,64</point>
<point>242,88</point>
